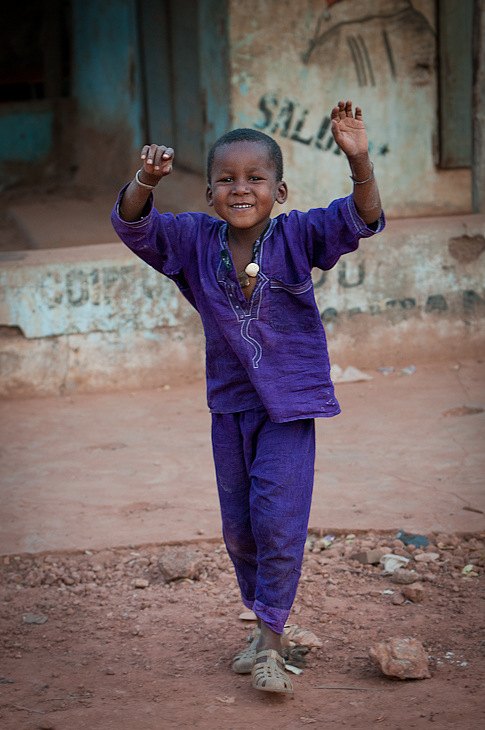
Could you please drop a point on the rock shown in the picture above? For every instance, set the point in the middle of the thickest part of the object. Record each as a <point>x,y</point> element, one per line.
<point>248,616</point>
<point>105,557</point>
<point>31,618</point>
<point>46,724</point>
<point>141,583</point>
<point>403,553</point>
<point>142,562</point>
<point>426,557</point>
<point>178,562</point>
<point>109,671</point>
<point>398,599</point>
<point>32,579</point>
<point>401,658</point>
<point>404,577</point>
<point>449,540</point>
<point>413,592</point>
<point>369,557</point>
<point>304,637</point>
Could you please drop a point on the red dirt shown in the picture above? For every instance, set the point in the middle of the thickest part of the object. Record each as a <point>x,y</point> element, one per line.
<point>111,469</point>
<point>110,655</point>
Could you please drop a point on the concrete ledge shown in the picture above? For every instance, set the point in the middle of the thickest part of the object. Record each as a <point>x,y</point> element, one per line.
<point>97,318</point>
<point>414,293</point>
<point>92,318</point>
<point>103,288</point>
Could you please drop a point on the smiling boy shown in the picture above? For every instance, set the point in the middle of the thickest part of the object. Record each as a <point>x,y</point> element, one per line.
<point>268,373</point>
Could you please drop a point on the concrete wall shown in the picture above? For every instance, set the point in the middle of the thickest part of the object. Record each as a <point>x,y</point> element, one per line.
<point>290,64</point>
<point>414,293</point>
<point>97,318</point>
<point>92,318</point>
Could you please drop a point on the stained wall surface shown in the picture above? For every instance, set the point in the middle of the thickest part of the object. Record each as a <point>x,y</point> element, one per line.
<point>291,63</point>
<point>97,318</point>
<point>92,318</point>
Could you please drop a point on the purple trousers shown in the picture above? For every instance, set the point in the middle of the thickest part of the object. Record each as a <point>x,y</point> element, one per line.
<point>265,476</point>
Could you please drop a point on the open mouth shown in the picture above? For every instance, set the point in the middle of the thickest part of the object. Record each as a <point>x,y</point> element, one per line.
<point>241,206</point>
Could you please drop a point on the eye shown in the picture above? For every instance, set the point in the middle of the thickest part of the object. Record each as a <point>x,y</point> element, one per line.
<point>225,179</point>
<point>255,177</point>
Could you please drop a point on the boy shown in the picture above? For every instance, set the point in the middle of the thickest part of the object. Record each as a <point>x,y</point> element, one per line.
<point>249,276</point>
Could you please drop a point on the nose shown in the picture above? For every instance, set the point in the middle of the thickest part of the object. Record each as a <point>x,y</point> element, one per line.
<point>240,187</point>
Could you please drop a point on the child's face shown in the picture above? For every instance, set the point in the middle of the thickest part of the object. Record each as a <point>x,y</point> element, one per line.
<point>243,187</point>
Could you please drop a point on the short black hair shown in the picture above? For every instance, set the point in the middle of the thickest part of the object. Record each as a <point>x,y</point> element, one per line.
<point>248,135</point>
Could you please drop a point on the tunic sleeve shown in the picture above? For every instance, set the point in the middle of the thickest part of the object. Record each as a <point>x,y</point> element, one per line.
<point>336,230</point>
<point>162,240</point>
<point>155,238</point>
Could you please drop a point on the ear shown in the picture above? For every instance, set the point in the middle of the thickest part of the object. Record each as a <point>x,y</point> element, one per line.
<point>208,196</point>
<point>282,192</point>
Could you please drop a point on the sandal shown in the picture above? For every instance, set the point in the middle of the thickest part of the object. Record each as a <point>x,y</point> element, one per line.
<point>270,675</point>
<point>243,662</point>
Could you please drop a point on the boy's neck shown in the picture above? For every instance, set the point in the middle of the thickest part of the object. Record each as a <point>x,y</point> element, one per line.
<point>245,237</point>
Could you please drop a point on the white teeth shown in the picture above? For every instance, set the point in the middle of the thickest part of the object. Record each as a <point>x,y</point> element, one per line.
<point>242,206</point>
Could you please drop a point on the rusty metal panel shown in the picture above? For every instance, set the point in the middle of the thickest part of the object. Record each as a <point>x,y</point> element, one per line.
<point>455,22</point>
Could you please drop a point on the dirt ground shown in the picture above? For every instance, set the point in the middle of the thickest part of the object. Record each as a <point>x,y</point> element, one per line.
<point>110,654</point>
<point>93,471</point>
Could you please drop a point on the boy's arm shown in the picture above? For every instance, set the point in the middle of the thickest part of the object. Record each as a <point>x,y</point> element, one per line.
<point>157,163</point>
<point>350,135</point>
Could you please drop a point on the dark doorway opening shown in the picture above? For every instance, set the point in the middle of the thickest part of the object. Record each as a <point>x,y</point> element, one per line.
<point>170,57</point>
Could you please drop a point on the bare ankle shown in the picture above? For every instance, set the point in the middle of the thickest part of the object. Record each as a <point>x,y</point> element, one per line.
<point>269,639</point>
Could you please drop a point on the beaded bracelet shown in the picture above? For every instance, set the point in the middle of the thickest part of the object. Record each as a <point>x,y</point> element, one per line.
<point>142,184</point>
<point>361,182</point>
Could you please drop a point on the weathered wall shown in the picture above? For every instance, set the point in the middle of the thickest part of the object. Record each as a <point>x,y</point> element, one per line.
<point>97,318</point>
<point>290,64</point>
<point>414,293</point>
<point>36,140</point>
<point>92,318</point>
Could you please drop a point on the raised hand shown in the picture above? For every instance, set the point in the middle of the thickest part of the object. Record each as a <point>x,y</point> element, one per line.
<point>349,131</point>
<point>157,163</point>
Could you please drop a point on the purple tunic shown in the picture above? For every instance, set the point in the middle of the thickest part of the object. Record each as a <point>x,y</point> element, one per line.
<point>270,349</point>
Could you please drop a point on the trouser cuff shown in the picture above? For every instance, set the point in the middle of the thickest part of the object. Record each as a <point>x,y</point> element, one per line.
<point>275,618</point>
<point>247,603</point>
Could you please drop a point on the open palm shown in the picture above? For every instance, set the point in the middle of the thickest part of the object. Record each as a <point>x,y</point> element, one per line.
<point>349,132</point>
